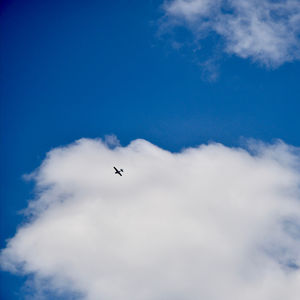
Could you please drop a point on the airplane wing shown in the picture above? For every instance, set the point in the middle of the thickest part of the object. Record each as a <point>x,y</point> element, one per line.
<point>116,169</point>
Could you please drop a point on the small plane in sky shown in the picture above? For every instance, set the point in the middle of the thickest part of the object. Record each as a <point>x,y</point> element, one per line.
<point>118,171</point>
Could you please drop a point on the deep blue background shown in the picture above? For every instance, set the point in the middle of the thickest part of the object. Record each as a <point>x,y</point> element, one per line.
<point>72,69</point>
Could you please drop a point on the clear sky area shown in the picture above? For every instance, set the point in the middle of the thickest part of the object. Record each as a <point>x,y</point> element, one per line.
<point>162,71</point>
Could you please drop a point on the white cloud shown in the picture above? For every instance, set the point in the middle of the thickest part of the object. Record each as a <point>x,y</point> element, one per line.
<point>211,222</point>
<point>112,141</point>
<point>266,31</point>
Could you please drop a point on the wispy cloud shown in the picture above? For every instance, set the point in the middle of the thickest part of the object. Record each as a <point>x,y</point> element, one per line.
<point>211,222</point>
<point>265,31</point>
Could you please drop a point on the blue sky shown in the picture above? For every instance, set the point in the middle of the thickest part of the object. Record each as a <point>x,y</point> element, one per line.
<point>72,69</point>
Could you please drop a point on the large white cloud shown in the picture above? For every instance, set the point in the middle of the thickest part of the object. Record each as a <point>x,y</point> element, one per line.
<point>266,31</point>
<point>212,222</point>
